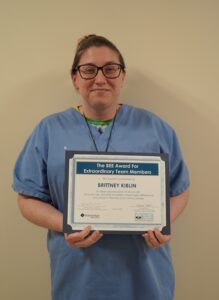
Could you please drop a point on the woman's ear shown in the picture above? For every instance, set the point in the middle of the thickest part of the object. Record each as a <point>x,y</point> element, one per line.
<point>123,78</point>
<point>74,81</point>
<point>124,75</point>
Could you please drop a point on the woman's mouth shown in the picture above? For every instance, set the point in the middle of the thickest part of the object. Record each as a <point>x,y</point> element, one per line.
<point>99,90</point>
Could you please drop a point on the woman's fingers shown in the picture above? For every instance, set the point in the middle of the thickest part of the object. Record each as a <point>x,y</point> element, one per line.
<point>92,239</point>
<point>162,238</point>
<point>83,238</point>
<point>77,236</point>
<point>156,239</point>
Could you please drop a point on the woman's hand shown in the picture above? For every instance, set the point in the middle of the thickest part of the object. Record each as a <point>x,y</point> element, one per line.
<point>83,238</point>
<point>156,239</point>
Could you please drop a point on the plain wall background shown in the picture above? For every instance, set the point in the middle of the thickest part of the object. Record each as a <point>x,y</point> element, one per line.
<point>171,51</point>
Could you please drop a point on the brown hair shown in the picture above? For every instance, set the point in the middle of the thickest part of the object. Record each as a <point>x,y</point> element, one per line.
<point>93,40</point>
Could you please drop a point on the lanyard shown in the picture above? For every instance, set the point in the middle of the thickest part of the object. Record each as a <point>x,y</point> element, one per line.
<point>92,137</point>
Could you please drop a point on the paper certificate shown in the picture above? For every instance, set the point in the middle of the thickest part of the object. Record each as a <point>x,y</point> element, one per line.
<point>116,193</point>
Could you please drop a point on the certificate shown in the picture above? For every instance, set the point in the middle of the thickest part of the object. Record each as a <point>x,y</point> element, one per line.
<point>116,192</point>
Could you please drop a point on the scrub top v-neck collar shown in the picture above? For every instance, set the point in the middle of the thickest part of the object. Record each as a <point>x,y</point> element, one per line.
<point>101,139</point>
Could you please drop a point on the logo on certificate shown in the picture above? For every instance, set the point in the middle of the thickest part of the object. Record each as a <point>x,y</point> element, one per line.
<point>89,216</point>
<point>144,216</point>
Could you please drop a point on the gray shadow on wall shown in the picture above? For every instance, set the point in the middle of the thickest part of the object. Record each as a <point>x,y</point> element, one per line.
<point>148,93</point>
<point>171,105</point>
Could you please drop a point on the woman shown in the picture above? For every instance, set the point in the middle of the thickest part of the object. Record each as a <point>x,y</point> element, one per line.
<point>89,265</point>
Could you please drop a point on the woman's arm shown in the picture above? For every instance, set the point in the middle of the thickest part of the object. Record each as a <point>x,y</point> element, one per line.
<point>45,215</point>
<point>177,205</point>
<point>40,213</point>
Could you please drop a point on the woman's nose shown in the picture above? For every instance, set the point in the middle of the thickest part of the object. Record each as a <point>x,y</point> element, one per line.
<point>100,77</point>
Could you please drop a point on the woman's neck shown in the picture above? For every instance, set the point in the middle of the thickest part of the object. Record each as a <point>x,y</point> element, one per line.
<point>100,114</point>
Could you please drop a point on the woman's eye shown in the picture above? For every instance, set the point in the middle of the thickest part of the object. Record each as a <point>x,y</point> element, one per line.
<point>88,70</point>
<point>110,69</point>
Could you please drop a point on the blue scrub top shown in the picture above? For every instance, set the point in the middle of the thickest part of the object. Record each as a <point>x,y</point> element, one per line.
<point>118,267</point>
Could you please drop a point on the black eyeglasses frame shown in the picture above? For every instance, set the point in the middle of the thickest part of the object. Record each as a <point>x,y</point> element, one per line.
<point>122,68</point>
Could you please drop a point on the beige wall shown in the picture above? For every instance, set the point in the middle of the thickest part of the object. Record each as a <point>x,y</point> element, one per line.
<point>171,50</point>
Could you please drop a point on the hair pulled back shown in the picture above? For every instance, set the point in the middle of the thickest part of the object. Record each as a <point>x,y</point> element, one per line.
<point>93,40</point>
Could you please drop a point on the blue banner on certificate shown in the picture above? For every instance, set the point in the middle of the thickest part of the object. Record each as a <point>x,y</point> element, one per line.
<point>116,192</point>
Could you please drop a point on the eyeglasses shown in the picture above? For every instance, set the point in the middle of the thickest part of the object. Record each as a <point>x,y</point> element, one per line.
<point>89,71</point>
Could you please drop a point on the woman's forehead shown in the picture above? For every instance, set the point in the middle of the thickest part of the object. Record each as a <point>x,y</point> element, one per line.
<point>99,56</point>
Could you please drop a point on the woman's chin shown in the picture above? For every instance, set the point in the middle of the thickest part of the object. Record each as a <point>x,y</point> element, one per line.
<point>99,102</point>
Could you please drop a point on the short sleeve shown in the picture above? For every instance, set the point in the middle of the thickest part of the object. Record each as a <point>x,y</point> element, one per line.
<point>178,172</point>
<point>30,172</point>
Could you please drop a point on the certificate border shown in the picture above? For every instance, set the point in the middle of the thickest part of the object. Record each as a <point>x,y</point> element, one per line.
<point>69,154</point>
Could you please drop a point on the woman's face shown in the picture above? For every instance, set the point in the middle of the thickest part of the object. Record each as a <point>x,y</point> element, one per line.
<point>100,92</point>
